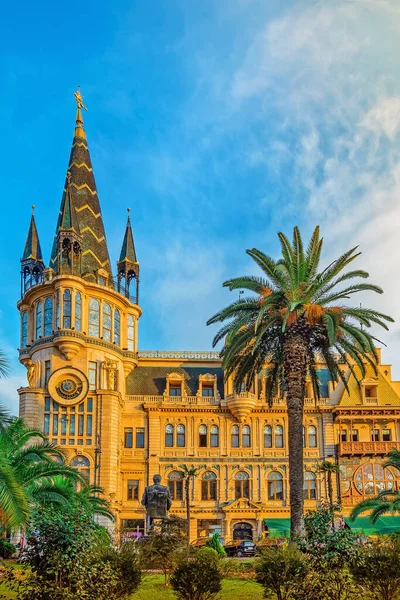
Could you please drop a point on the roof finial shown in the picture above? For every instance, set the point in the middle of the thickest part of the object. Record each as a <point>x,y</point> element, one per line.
<point>69,178</point>
<point>33,209</point>
<point>79,102</point>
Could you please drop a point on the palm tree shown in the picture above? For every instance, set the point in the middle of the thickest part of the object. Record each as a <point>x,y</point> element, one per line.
<point>329,468</point>
<point>89,497</point>
<point>387,501</point>
<point>29,466</point>
<point>297,317</point>
<point>188,475</point>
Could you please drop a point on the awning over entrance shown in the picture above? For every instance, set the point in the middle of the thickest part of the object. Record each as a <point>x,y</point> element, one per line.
<point>383,525</point>
<point>278,527</point>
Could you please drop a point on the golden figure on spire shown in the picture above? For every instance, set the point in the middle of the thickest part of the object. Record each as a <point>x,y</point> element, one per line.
<point>79,98</point>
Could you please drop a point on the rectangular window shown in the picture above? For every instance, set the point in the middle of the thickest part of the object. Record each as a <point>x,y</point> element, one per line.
<point>128,437</point>
<point>92,375</point>
<point>90,405</point>
<point>46,428</point>
<point>139,437</point>
<point>72,425</point>
<point>386,435</point>
<point>46,372</point>
<point>80,425</point>
<point>81,407</point>
<point>55,406</point>
<point>89,423</point>
<point>64,425</point>
<point>375,435</point>
<point>55,424</point>
<point>175,390</point>
<point>207,391</point>
<point>133,489</point>
<point>354,435</point>
<point>47,404</point>
<point>343,435</point>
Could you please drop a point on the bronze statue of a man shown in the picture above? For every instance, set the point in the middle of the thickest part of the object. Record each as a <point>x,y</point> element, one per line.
<point>157,501</point>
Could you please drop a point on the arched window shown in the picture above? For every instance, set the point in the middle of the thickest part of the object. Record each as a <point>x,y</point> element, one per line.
<point>58,309</point>
<point>131,333</point>
<point>246,436</point>
<point>24,329</point>
<point>312,436</point>
<point>106,322</point>
<point>82,464</point>
<point>235,436</point>
<point>180,436</point>
<point>169,435</point>
<point>48,316</point>
<point>275,486</point>
<point>67,309</point>
<point>209,486</point>
<point>38,319</point>
<point>203,436</point>
<point>242,485</point>
<point>175,485</point>
<point>278,436</point>
<point>214,436</point>
<point>78,311</point>
<point>309,487</point>
<point>267,436</point>
<point>117,327</point>
<point>94,318</point>
<point>372,478</point>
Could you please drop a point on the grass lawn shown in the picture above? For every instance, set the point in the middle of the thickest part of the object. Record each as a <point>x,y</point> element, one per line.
<point>232,589</point>
<point>152,587</point>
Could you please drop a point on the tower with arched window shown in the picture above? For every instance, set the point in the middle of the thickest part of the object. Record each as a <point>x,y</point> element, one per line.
<point>79,326</point>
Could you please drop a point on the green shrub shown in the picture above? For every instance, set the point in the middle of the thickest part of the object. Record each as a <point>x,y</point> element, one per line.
<point>216,545</point>
<point>6,549</point>
<point>197,577</point>
<point>280,571</point>
<point>377,569</point>
<point>70,559</point>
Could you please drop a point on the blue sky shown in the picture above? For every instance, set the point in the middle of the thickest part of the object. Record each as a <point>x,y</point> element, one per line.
<point>218,123</point>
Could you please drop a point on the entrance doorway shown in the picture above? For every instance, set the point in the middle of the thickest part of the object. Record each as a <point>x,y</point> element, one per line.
<point>242,531</point>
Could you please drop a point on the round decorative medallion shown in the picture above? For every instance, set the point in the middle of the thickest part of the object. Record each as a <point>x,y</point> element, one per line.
<point>68,385</point>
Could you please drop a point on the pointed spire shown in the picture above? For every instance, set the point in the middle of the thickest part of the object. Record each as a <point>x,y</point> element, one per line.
<point>32,248</point>
<point>79,130</point>
<point>69,220</point>
<point>128,247</point>
<point>80,207</point>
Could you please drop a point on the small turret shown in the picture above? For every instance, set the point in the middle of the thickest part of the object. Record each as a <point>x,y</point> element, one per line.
<point>32,265</point>
<point>69,239</point>
<point>128,266</point>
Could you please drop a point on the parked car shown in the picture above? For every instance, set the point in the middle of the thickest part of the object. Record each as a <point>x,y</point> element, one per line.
<point>240,548</point>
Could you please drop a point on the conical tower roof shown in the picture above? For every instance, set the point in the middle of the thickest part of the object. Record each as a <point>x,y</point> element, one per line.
<point>81,205</point>
<point>32,250</point>
<point>128,252</point>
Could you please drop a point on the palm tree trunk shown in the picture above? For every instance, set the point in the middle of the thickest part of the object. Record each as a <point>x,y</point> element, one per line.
<point>330,488</point>
<point>295,365</point>
<point>187,490</point>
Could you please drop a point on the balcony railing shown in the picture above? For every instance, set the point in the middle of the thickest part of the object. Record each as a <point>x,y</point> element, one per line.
<point>191,354</point>
<point>367,447</point>
<point>144,399</point>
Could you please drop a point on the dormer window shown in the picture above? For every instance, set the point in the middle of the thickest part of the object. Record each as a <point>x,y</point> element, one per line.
<point>370,391</point>
<point>175,385</point>
<point>175,389</point>
<point>208,386</point>
<point>102,277</point>
<point>207,390</point>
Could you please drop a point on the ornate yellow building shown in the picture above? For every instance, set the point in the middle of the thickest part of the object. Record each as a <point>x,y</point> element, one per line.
<point>123,415</point>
